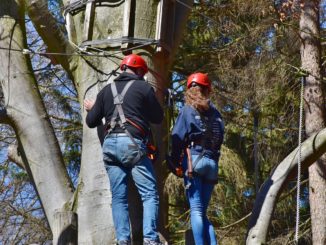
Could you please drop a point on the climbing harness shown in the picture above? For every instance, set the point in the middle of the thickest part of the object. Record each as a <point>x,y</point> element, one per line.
<point>119,118</point>
<point>299,163</point>
<point>206,142</point>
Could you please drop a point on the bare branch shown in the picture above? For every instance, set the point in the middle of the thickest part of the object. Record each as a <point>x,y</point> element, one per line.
<point>13,156</point>
<point>51,33</point>
<point>312,149</point>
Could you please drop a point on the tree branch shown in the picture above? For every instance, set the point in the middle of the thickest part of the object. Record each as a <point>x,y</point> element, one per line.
<point>312,149</point>
<point>14,156</point>
<point>51,33</point>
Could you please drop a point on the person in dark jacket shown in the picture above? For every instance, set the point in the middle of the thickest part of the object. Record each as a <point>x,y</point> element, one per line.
<point>128,105</point>
<point>197,136</point>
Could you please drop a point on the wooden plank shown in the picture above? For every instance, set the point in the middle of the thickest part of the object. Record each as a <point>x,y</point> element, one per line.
<point>126,22</point>
<point>89,21</point>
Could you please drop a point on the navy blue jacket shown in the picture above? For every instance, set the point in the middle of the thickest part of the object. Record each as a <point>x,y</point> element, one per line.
<point>190,127</point>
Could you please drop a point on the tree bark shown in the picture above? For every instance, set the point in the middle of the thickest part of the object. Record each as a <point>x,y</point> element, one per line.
<point>312,149</point>
<point>13,155</point>
<point>92,199</point>
<point>40,149</point>
<point>65,228</point>
<point>314,113</point>
<point>47,27</point>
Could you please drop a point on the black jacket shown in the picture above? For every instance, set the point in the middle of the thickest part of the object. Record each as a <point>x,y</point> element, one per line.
<point>140,105</point>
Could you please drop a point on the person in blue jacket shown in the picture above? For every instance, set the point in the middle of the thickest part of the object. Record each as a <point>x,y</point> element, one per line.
<point>197,137</point>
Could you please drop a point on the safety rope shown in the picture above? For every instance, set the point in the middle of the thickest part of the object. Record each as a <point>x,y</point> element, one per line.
<point>299,163</point>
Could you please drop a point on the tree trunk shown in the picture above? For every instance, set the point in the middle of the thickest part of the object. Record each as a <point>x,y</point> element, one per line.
<point>92,199</point>
<point>314,113</point>
<point>109,22</point>
<point>266,199</point>
<point>40,150</point>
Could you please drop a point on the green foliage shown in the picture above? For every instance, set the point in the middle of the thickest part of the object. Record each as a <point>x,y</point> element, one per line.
<point>252,57</point>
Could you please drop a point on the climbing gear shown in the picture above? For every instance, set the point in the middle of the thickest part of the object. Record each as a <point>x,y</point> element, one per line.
<point>134,61</point>
<point>206,142</point>
<point>189,163</point>
<point>152,152</point>
<point>200,79</point>
<point>119,118</point>
<point>176,169</point>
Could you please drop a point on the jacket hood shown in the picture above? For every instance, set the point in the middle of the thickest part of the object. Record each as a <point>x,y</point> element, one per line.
<point>125,76</point>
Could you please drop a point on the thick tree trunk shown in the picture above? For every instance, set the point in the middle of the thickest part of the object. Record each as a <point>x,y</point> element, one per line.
<point>266,199</point>
<point>93,199</point>
<point>40,149</point>
<point>314,113</point>
<point>142,25</point>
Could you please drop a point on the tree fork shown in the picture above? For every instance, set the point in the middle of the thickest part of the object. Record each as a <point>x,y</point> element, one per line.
<point>65,230</point>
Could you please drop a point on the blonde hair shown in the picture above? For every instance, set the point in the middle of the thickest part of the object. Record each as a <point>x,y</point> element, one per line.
<point>198,98</point>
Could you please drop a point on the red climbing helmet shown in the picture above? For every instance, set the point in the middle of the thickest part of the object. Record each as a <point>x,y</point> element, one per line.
<point>199,78</point>
<point>134,61</point>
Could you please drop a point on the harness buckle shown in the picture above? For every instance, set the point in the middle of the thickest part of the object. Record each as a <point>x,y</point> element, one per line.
<point>118,99</point>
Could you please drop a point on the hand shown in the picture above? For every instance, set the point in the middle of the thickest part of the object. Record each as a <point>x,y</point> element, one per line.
<point>175,168</point>
<point>88,104</point>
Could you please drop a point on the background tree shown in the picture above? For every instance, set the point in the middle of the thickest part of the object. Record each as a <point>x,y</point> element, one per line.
<point>314,112</point>
<point>251,51</point>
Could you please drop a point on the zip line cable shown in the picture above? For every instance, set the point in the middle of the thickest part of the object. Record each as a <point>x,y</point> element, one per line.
<point>104,55</point>
<point>299,163</point>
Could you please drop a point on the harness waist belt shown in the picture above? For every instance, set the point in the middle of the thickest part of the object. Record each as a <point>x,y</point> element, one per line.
<point>118,134</point>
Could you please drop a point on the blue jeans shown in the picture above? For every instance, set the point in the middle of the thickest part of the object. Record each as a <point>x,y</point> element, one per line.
<point>199,193</point>
<point>118,153</point>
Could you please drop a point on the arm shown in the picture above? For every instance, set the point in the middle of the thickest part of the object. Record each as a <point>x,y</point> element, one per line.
<point>179,134</point>
<point>186,129</point>
<point>95,111</point>
<point>88,105</point>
